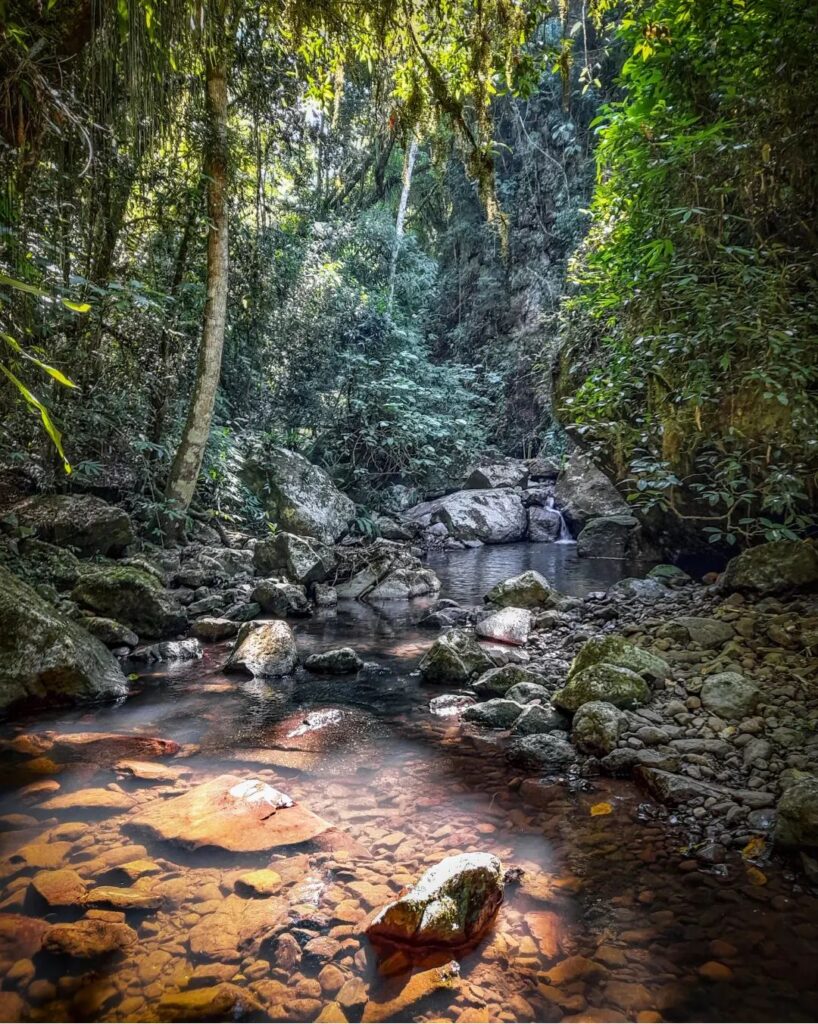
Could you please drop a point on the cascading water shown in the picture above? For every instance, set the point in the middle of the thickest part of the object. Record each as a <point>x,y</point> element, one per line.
<point>564,535</point>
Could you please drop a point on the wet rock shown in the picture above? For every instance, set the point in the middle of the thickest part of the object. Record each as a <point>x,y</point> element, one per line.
<point>596,728</point>
<point>603,682</point>
<point>90,800</point>
<point>233,814</point>
<point>497,682</point>
<point>641,591</point>
<point>106,748</point>
<point>109,632</point>
<point>490,516</point>
<point>504,473</point>
<point>303,560</point>
<point>772,568</point>
<point>493,714</point>
<point>88,939</point>
<point>263,649</point>
<point>528,590</point>
<point>411,992</point>
<point>544,525</point>
<point>340,661</point>
<point>215,629</point>
<point>536,719</point>
<point>616,650</point>
<point>508,625</point>
<point>282,599</point>
<point>729,695</point>
<point>543,752</point>
<point>132,596</point>
<point>325,596</point>
<point>214,1002</point>
<point>705,632</point>
<point>297,495</point>
<point>264,882</point>
<point>44,656</point>
<point>21,937</point>
<point>525,693</point>
<point>212,565</point>
<point>405,583</point>
<point>797,814</point>
<point>673,789</point>
<point>122,898</point>
<point>614,536</point>
<point>80,521</point>
<point>582,492</point>
<point>60,888</point>
<point>455,657</point>
<point>12,1007</point>
<point>448,704</point>
<point>170,650</point>
<point>451,904</point>
<point>575,968</point>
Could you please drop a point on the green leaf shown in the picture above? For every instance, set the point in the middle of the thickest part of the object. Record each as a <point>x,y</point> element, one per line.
<point>76,307</point>
<point>58,375</point>
<point>48,423</point>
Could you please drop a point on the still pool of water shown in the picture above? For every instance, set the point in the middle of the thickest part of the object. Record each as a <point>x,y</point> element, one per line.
<point>658,935</point>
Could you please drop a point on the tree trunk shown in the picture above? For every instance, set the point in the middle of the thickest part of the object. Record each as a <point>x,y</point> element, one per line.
<point>408,166</point>
<point>184,472</point>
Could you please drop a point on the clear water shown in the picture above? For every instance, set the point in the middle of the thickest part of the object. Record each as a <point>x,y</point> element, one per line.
<point>411,788</point>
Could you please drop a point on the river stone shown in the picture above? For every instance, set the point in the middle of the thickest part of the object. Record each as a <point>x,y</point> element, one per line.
<point>644,591</point>
<point>498,713</point>
<point>498,681</point>
<point>490,516</point>
<point>772,568</point>
<point>616,650</point>
<point>537,718</point>
<point>582,493</point>
<point>544,525</point>
<point>89,939</point>
<point>337,662</point>
<point>797,814</point>
<point>596,727</point>
<point>132,596</point>
<point>106,748</point>
<point>525,692</point>
<point>404,583</point>
<point>233,814</point>
<point>528,590</point>
<point>705,632</point>
<point>126,898</point>
<point>609,537</point>
<point>80,521</point>
<point>298,496</point>
<point>672,789</point>
<point>282,599</point>
<point>47,657</point>
<point>542,752</point>
<point>502,473</point>
<point>449,704</point>
<point>729,695</point>
<point>304,560</point>
<point>603,682</point>
<point>668,574</point>
<point>170,650</point>
<point>507,625</point>
<point>213,1002</point>
<point>60,888</point>
<point>215,629</point>
<point>263,649</point>
<point>109,631</point>
<point>455,657</point>
<point>450,904</point>
<point>210,565</point>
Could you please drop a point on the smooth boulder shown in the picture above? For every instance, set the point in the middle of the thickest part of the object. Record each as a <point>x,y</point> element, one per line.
<point>528,590</point>
<point>490,516</point>
<point>264,649</point>
<point>507,625</point>
<point>729,695</point>
<point>450,905</point>
<point>298,496</point>
<point>132,596</point>
<point>80,521</point>
<point>47,657</point>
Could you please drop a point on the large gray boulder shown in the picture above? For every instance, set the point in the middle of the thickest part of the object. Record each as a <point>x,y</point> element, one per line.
<point>264,649</point>
<point>497,713</point>
<point>528,590</point>
<point>490,516</point>
<point>582,493</point>
<point>773,568</point>
<point>452,903</point>
<point>504,625</point>
<point>132,596</point>
<point>544,525</point>
<point>455,657</point>
<point>206,565</point>
<point>542,752</point>
<point>282,599</point>
<point>46,657</point>
<point>501,473</point>
<point>304,560</point>
<point>614,536</point>
<point>614,649</point>
<point>498,681</point>
<point>298,496</point>
<point>80,521</point>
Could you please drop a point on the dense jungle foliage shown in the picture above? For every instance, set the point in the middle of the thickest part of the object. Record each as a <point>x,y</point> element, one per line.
<point>372,234</point>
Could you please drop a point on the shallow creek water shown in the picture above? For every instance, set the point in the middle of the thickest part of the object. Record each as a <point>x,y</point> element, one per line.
<point>665,937</point>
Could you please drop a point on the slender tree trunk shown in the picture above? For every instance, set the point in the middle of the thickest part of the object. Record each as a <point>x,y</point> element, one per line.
<point>184,472</point>
<point>408,166</point>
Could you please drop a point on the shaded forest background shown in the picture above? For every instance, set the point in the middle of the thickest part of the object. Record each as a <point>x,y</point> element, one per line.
<point>625,257</point>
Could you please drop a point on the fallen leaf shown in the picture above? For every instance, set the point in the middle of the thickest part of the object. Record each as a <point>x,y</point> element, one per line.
<point>603,808</point>
<point>755,848</point>
<point>756,877</point>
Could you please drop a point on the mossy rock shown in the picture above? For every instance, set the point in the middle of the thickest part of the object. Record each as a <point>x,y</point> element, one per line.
<point>773,568</point>
<point>616,650</point>
<point>603,682</point>
<point>132,596</point>
<point>528,590</point>
<point>455,657</point>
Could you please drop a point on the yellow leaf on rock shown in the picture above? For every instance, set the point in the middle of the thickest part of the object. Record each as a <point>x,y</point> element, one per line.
<point>756,877</point>
<point>603,808</point>
<point>755,848</point>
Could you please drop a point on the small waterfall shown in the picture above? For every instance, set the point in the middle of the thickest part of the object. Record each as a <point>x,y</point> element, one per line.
<point>564,536</point>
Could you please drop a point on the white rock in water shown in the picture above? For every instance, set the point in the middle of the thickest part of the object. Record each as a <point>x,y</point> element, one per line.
<point>254,791</point>
<point>508,626</point>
